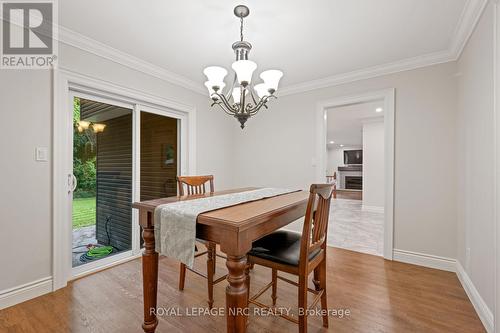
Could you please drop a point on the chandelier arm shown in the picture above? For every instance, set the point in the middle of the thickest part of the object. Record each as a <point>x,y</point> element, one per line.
<point>256,109</point>
<point>253,96</point>
<point>262,103</point>
<point>225,110</point>
<point>255,101</point>
<point>218,103</point>
<point>259,105</point>
<point>226,104</point>
<point>253,110</point>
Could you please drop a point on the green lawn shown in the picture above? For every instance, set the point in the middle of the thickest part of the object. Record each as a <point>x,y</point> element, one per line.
<point>83,212</point>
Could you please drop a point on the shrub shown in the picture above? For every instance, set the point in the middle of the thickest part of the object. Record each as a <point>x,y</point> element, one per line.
<point>85,173</point>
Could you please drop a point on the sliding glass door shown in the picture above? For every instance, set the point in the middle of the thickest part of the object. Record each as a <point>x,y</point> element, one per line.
<point>102,175</point>
<point>121,153</point>
<point>159,156</point>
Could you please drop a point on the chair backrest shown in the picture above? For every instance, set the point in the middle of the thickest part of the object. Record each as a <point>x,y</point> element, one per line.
<point>315,228</point>
<point>332,179</point>
<point>194,184</point>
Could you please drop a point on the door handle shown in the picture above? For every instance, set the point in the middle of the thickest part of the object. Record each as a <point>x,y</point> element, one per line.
<point>72,182</point>
<point>75,183</point>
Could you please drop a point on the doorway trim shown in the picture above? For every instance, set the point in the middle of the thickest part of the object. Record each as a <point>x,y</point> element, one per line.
<point>65,84</point>
<point>496,105</point>
<point>388,95</point>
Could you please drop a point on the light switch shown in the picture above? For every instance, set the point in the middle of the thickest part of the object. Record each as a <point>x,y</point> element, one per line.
<point>41,154</point>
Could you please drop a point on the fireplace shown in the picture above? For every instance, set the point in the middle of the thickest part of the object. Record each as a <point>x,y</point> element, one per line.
<point>353,182</point>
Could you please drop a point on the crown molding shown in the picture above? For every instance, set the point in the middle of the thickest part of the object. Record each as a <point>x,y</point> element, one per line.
<point>469,18</point>
<point>72,38</point>
<point>368,73</point>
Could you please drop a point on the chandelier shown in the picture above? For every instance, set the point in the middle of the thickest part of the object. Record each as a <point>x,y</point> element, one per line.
<point>90,130</point>
<point>240,101</point>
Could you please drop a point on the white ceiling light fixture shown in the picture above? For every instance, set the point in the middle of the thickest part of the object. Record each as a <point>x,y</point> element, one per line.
<point>341,145</point>
<point>379,110</point>
<point>236,102</point>
<point>332,142</point>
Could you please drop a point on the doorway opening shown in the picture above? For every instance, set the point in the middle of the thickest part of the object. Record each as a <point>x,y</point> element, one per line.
<point>355,164</point>
<point>351,159</point>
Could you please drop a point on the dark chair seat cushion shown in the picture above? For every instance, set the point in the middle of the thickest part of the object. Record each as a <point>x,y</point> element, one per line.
<point>281,246</point>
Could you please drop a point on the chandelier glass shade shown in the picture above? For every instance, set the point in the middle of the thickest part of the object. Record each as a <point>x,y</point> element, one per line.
<point>242,100</point>
<point>90,130</point>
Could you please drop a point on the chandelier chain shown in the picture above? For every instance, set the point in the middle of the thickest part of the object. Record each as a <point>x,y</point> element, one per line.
<point>241,28</point>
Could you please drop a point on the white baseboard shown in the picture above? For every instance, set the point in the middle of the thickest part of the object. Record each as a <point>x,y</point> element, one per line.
<point>451,265</point>
<point>426,260</point>
<point>477,301</point>
<point>375,209</point>
<point>25,292</point>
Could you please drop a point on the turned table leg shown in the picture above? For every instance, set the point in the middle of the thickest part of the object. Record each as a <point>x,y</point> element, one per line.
<point>236,294</point>
<point>149,275</point>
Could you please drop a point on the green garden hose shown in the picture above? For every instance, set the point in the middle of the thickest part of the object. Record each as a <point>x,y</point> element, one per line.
<point>96,252</point>
<point>99,252</point>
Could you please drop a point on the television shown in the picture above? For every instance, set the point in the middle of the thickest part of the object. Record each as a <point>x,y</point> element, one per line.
<point>353,157</point>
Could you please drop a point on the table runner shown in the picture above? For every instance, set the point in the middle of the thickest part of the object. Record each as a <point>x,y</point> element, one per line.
<point>175,223</point>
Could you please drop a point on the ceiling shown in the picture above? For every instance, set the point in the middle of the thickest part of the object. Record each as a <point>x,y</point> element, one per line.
<point>97,112</point>
<point>344,124</point>
<point>307,40</point>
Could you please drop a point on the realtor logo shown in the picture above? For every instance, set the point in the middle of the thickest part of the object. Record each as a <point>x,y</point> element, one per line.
<point>28,34</point>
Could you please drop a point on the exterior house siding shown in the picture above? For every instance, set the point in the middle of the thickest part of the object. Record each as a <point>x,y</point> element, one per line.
<point>114,183</point>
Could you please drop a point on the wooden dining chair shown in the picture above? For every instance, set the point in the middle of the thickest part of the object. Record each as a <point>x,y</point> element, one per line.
<point>297,254</point>
<point>192,186</point>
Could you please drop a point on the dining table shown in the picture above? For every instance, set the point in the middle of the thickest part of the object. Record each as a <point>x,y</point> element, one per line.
<point>234,229</point>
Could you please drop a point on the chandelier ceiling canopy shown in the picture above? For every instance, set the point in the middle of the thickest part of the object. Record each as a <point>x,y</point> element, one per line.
<point>243,99</point>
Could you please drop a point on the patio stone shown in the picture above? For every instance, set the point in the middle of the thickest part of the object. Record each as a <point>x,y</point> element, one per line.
<point>81,238</point>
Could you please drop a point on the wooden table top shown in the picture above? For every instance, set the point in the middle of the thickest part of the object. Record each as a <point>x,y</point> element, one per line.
<point>238,216</point>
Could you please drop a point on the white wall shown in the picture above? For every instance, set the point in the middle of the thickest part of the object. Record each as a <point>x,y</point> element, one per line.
<point>373,164</point>
<point>476,153</point>
<point>26,191</point>
<point>281,144</point>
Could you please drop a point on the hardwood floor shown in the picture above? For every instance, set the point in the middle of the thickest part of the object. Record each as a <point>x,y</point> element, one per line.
<point>347,194</point>
<point>382,296</point>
